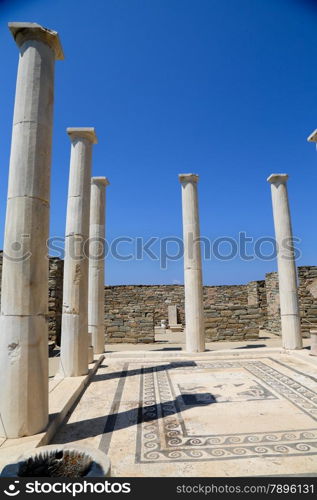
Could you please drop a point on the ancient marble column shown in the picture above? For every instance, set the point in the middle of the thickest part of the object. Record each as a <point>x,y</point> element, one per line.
<point>287,275</point>
<point>194,316</point>
<point>96,295</point>
<point>24,298</point>
<point>74,343</point>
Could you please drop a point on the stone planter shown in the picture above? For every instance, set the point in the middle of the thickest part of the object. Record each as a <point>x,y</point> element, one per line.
<point>59,461</point>
<point>313,342</point>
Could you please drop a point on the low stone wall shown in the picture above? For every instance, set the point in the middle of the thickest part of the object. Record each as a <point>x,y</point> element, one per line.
<point>129,314</point>
<point>273,321</point>
<point>307,292</point>
<point>233,323</point>
<point>132,311</point>
<point>234,312</point>
<point>226,295</point>
<point>256,291</point>
<point>55,298</point>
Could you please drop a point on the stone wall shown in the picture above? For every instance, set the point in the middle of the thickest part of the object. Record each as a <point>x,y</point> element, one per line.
<point>273,321</point>
<point>55,298</point>
<point>132,311</point>
<point>129,314</point>
<point>232,322</point>
<point>307,292</point>
<point>231,312</point>
<point>257,297</point>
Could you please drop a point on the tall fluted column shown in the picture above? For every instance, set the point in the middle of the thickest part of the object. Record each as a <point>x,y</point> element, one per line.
<point>287,275</point>
<point>194,316</point>
<point>24,299</point>
<point>96,295</point>
<point>74,344</point>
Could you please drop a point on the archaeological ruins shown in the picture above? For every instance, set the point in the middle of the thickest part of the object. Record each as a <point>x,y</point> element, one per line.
<point>185,380</point>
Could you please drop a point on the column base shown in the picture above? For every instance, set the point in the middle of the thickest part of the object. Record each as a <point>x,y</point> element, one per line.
<point>98,339</point>
<point>74,347</point>
<point>291,332</point>
<point>90,354</point>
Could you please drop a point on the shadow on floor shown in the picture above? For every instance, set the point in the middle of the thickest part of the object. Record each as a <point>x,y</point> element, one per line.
<point>250,346</point>
<point>138,371</point>
<point>169,349</point>
<point>85,429</point>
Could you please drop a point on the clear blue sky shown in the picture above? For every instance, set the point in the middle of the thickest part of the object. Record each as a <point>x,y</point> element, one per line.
<point>226,89</point>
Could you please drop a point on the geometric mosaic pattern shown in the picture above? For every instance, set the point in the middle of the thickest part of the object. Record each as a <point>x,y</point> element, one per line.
<point>164,436</point>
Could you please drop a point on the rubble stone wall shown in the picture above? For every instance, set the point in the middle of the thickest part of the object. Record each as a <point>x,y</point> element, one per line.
<point>234,312</point>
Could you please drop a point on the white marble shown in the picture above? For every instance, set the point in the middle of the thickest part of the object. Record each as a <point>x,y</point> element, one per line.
<point>172,315</point>
<point>96,295</point>
<point>194,317</point>
<point>287,274</point>
<point>24,298</point>
<point>75,342</point>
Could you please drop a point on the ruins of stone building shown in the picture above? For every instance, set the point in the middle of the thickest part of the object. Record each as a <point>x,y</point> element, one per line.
<point>232,312</point>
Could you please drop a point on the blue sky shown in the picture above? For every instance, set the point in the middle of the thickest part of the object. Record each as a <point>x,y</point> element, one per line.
<point>225,89</point>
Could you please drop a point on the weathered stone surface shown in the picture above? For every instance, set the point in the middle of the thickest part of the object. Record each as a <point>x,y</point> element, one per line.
<point>24,305</point>
<point>287,272</point>
<point>194,314</point>
<point>127,307</point>
<point>75,340</point>
<point>55,299</point>
<point>273,321</point>
<point>96,292</point>
<point>307,292</point>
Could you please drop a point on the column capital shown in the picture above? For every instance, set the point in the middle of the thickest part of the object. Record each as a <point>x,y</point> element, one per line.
<point>277,178</point>
<point>104,181</point>
<point>313,136</point>
<point>183,178</point>
<point>22,32</point>
<point>82,132</point>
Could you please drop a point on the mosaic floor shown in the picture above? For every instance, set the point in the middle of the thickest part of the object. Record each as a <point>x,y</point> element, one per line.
<point>214,417</point>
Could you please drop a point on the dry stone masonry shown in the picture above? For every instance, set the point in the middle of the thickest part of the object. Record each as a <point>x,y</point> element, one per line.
<point>273,318</point>
<point>228,314</point>
<point>55,299</point>
<point>233,312</point>
<point>132,311</point>
<point>129,314</point>
<point>307,292</point>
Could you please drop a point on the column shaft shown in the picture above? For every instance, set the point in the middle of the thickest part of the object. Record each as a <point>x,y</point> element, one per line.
<point>74,342</point>
<point>194,316</point>
<point>290,316</point>
<point>24,299</point>
<point>96,293</point>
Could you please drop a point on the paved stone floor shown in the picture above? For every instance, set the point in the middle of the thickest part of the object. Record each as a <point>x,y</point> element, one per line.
<point>252,414</point>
